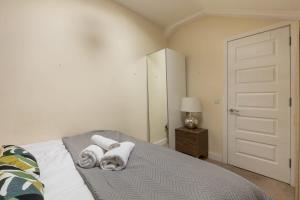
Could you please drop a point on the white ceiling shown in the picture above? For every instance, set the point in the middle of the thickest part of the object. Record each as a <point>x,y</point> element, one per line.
<point>163,12</point>
<point>168,13</point>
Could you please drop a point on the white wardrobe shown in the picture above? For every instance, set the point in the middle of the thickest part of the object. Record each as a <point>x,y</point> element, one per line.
<point>166,85</point>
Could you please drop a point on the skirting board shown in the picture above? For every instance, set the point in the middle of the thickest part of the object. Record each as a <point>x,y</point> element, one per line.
<point>215,156</point>
<point>161,142</point>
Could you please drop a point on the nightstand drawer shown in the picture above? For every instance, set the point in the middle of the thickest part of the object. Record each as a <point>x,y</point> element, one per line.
<point>192,141</point>
<point>186,137</point>
<point>188,149</point>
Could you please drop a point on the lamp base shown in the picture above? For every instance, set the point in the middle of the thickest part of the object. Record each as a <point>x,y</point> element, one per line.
<point>191,122</point>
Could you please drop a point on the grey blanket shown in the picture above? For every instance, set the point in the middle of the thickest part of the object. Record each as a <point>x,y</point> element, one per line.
<point>155,172</point>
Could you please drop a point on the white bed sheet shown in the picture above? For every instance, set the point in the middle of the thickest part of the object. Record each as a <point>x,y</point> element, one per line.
<point>58,173</point>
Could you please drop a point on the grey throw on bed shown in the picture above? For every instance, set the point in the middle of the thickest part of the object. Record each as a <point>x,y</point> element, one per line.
<point>155,172</point>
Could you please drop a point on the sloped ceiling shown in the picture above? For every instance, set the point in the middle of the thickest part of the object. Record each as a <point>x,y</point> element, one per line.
<point>163,12</point>
<point>167,13</point>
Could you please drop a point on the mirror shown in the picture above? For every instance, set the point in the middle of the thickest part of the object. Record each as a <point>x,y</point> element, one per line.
<point>166,80</point>
<point>157,98</point>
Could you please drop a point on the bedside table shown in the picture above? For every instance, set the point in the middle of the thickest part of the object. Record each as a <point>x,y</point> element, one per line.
<point>192,141</point>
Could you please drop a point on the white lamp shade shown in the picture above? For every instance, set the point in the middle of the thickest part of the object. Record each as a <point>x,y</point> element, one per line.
<point>191,104</point>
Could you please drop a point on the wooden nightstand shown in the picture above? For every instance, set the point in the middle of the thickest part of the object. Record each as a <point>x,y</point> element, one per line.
<point>192,141</point>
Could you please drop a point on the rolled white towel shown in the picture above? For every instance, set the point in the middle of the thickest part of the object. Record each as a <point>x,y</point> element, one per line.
<point>116,159</point>
<point>90,157</point>
<point>104,143</point>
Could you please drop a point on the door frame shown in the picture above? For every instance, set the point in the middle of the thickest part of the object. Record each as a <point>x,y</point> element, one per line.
<point>294,29</point>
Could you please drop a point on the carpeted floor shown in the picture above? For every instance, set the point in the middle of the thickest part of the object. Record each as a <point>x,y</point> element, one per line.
<point>276,189</point>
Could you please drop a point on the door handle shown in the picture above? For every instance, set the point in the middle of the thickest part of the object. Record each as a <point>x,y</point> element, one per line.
<point>234,111</point>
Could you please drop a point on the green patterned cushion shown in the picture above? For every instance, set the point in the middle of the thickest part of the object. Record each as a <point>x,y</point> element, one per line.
<point>20,158</point>
<point>16,184</point>
<point>1,151</point>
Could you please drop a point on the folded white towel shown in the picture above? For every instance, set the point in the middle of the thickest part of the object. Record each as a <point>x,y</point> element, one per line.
<point>90,157</point>
<point>104,143</point>
<point>116,159</point>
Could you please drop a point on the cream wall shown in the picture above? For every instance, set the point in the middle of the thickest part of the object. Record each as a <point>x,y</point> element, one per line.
<point>202,41</point>
<point>157,95</point>
<point>69,66</point>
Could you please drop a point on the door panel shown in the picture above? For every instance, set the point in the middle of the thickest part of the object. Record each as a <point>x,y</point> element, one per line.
<point>257,125</point>
<point>254,50</point>
<point>256,100</point>
<point>256,149</point>
<point>257,75</point>
<point>258,96</point>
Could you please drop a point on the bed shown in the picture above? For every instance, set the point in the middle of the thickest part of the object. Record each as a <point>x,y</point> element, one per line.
<point>153,172</point>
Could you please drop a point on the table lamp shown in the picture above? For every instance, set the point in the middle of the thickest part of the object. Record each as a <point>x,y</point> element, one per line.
<point>191,105</point>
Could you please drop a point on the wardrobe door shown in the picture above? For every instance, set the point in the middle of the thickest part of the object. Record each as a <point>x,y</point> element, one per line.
<point>176,89</point>
<point>157,97</point>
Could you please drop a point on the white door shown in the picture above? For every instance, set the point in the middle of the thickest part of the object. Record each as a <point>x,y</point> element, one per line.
<point>176,84</point>
<point>259,103</point>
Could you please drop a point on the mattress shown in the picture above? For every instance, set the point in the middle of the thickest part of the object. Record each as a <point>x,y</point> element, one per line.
<point>58,173</point>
